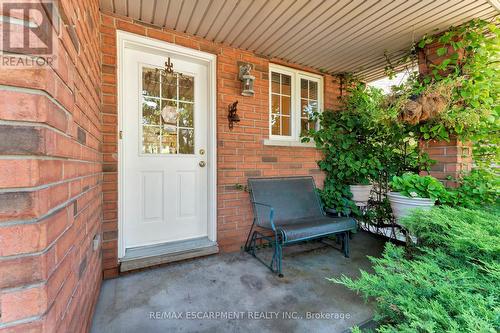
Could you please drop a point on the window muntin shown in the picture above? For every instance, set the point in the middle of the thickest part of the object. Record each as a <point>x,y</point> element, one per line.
<point>294,96</point>
<point>167,112</point>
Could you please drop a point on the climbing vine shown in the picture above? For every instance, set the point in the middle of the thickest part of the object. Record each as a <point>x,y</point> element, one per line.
<point>373,134</point>
<point>459,94</point>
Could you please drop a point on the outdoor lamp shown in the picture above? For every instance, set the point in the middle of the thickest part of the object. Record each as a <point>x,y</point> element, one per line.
<point>246,80</point>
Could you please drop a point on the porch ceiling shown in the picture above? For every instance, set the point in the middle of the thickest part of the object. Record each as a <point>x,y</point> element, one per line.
<point>331,35</point>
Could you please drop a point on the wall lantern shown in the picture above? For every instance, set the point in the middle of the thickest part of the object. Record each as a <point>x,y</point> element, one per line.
<point>246,80</point>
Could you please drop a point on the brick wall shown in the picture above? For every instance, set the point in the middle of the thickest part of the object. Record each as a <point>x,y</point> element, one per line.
<point>452,157</point>
<point>241,153</point>
<point>50,179</point>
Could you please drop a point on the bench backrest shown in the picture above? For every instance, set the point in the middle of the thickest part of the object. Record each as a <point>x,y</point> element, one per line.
<point>291,198</point>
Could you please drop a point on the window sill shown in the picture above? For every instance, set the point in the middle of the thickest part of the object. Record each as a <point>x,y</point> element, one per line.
<point>289,143</point>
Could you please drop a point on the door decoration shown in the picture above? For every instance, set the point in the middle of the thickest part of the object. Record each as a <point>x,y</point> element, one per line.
<point>169,115</point>
<point>169,66</point>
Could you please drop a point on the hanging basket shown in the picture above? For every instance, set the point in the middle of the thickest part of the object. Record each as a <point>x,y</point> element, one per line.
<point>428,105</point>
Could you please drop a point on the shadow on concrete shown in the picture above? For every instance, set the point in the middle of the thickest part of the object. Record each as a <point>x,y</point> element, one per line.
<point>235,293</point>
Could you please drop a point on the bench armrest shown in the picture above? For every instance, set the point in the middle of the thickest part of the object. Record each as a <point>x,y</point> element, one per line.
<point>271,212</point>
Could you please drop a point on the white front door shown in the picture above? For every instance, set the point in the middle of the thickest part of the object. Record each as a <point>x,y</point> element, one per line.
<point>165,135</point>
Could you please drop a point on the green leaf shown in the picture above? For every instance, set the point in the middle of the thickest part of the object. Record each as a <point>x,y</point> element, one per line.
<point>442,51</point>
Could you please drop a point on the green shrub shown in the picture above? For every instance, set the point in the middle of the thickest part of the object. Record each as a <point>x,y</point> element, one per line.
<point>480,188</point>
<point>359,144</point>
<point>415,186</point>
<point>448,282</point>
<point>462,233</point>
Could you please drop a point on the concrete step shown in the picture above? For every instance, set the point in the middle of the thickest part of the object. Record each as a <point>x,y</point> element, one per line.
<point>151,255</point>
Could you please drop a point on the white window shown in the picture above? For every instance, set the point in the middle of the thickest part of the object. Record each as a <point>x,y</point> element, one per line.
<point>293,97</point>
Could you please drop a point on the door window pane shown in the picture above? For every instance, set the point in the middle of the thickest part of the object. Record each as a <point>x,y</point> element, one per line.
<point>186,115</point>
<point>169,85</point>
<point>186,141</point>
<point>169,141</point>
<point>150,111</point>
<point>167,112</point>
<point>151,82</point>
<point>186,88</point>
<point>151,139</point>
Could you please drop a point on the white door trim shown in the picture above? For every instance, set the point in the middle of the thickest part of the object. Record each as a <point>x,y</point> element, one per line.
<point>126,39</point>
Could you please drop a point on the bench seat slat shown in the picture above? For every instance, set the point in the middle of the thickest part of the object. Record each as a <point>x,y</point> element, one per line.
<point>312,227</point>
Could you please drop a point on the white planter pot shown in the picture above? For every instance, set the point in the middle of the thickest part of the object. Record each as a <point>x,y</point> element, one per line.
<point>402,205</point>
<point>361,194</point>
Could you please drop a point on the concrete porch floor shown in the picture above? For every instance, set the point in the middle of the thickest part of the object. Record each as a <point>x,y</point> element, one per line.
<point>238,285</point>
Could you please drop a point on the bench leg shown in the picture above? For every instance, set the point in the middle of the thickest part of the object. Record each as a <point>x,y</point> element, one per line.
<point>345,243</point>
<point>251,246</point>
<point>250,238</point>
<point>278,252</point>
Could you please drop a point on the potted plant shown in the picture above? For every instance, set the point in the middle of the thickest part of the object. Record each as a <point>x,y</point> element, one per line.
<point>360,189</point>
<point>411,191</point>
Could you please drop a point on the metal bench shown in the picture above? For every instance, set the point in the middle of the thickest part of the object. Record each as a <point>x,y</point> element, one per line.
<point>290,209</point>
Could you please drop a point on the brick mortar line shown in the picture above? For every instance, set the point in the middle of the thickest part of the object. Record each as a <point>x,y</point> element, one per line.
<point>44,281</point>
<point>72,297</point>
<point>46,126</point>
<point>47,158</point>
<point>41,92</point>
<point>40,284</point>
<point>34,254</point>
<point>43,186</point>
<point>81,77</point>
<point>48,213</point>
<point>28,286</point>
<point>20,321</point>
<point>33,91</point>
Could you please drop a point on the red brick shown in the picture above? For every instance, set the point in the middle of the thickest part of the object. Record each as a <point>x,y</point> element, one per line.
<point>33,300</point>
<point>161,35</point>
<point>130,27</point>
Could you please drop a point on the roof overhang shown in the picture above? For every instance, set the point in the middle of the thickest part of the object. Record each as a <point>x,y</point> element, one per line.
<point>330,35</point>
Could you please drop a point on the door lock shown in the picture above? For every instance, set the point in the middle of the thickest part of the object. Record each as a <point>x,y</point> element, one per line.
<point>202,164</point>
<point>202,151</point>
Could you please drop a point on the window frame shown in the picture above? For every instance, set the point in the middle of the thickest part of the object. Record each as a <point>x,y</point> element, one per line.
<point>295,100</point>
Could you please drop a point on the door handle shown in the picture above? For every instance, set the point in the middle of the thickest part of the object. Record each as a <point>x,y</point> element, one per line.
<point>202,164</point>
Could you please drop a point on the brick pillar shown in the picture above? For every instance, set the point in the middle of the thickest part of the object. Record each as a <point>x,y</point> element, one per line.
<point>50,168</point>
<point>452,157</point>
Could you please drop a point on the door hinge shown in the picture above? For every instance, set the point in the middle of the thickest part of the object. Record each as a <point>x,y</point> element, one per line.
<point>120,135</point>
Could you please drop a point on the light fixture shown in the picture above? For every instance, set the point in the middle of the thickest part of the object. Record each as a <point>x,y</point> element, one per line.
<point>246,80</point>
<point>232,117</point>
